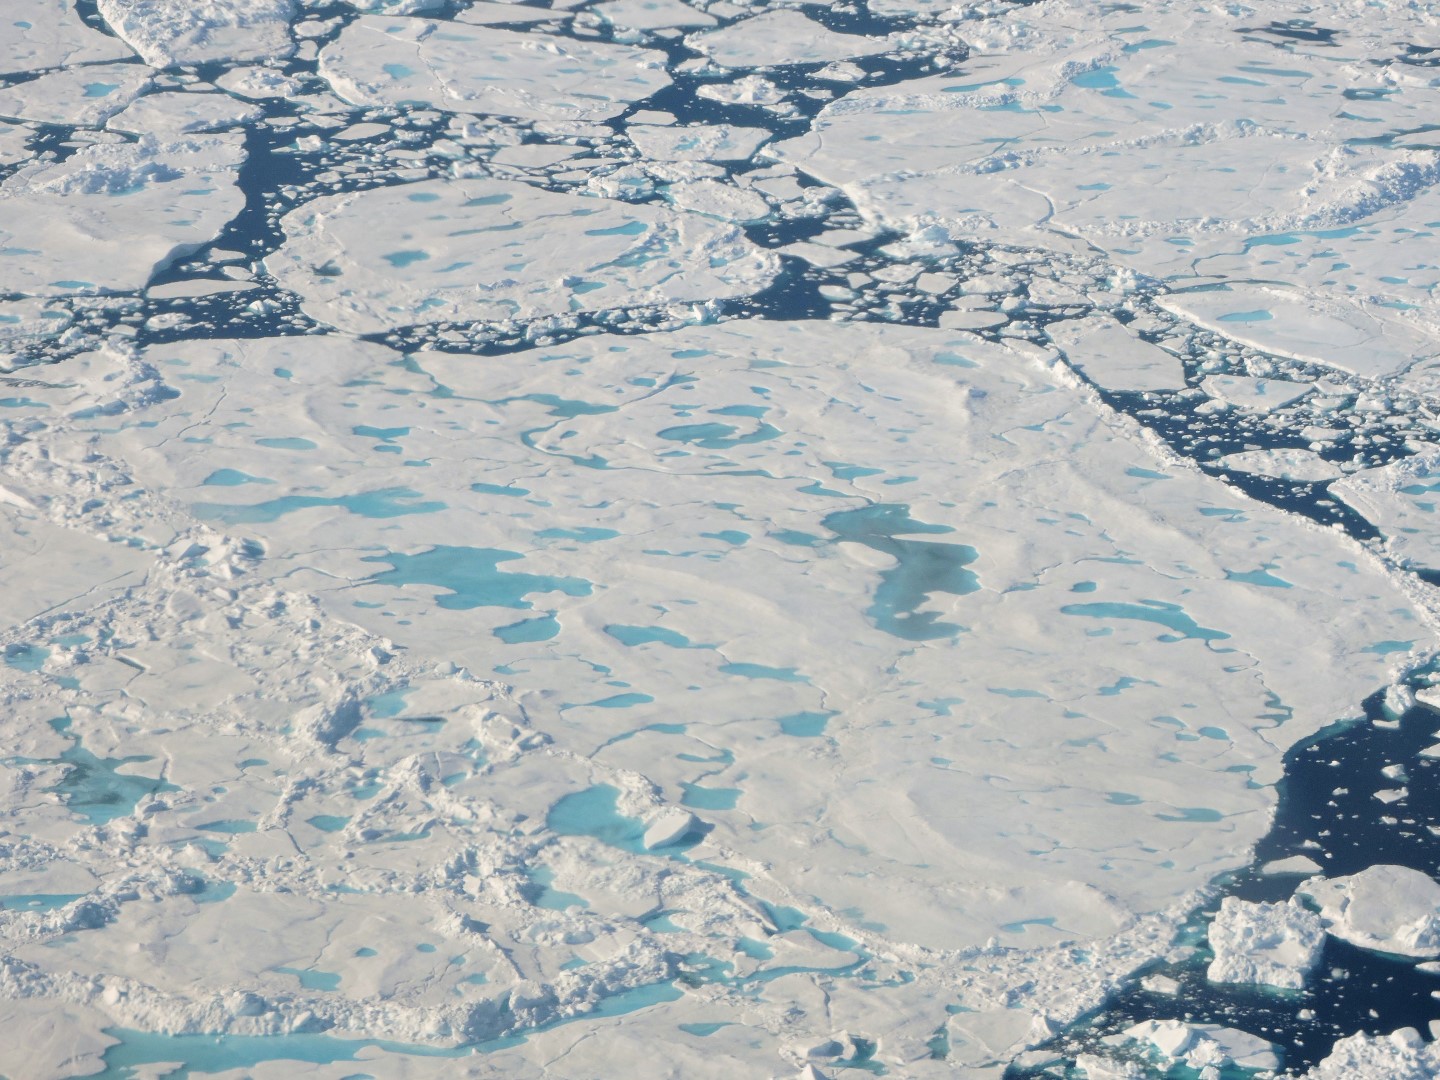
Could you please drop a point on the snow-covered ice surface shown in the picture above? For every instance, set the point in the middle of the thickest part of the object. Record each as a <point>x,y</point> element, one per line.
<point>718,538</point>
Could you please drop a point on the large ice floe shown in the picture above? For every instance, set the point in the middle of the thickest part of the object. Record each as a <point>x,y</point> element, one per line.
<point>717,539</point>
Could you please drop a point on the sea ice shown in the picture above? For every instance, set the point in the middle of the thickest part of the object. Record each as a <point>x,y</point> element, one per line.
<point>394,61</point>
<point>82,96</point>
<point>774,38</point>
<point>485,249</point>
<point>1269,944</point>
<point>166,34</point>
<point>64,231</point>
<point>180,113</point>
<point>1390,909</point>
<point>42,34</point>
<point>1115,357</point>
<point>1401,1055</point>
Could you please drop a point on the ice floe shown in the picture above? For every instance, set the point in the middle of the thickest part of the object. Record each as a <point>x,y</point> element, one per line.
<point>1268,944</point>
<point>393,61</point>
<point>167,34</point>
<point>1390,909</point>
<point>489,249</point>
<point>64,231</point>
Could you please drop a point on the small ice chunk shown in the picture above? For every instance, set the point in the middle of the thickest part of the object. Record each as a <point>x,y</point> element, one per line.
<point>1390,909</point>
<point>1170,1037</point>
<point>1160,984</point>
<point>667,827</point>
<point>1285,464</point>
<point>1295,864</point>
<point>1112,356</point>
<point>1267,944</point>
<point>1094,1067</point>
<point>1254,394</point>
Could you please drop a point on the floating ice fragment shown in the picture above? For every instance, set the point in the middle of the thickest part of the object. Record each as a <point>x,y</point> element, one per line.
<point>1294,864</point>
<point>651,14</point>
<point>1115,357</point>
<point>82,96</point>
<point>719,142</point>
<point>110,216</point>
<point>1285,463</point>
<point>1267,944</point>
<point>1391,909</point>
<point>180,113</point>
<point>775,38</point>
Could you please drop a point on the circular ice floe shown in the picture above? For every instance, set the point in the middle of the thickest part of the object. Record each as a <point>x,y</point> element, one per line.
<point>480,249</point>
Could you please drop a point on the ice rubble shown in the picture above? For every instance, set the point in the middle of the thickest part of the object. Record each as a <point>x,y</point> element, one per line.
<point>1401,1055</point>
<point>166,34</point>
<point>486,249</point>
<point>1391,909</point>
<point>1269,944</point>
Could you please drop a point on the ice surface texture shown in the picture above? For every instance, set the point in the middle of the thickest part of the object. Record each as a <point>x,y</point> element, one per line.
<point>737,539</point>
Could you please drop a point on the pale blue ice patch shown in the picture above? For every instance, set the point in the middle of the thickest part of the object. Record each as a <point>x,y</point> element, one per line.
<point>385,503</point>
<point>541,628</point>
<point>472,577</point>
<point>922,568</point>
<point>1170,616</point>
<point>762,671</point>
<point>232,478</point>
